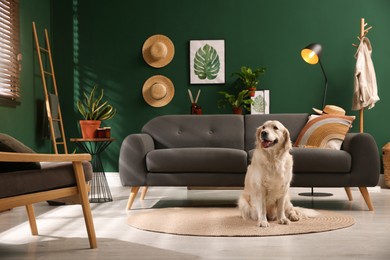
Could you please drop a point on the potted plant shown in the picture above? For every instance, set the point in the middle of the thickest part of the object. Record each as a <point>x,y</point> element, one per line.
<point>94,110</point>
<point>250,78</point>
<point>238,101</point>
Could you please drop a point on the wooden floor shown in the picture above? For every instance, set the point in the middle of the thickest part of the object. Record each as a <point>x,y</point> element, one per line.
<point>63,234</point>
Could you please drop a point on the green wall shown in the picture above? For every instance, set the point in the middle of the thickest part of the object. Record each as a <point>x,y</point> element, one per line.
<point>97,41</point>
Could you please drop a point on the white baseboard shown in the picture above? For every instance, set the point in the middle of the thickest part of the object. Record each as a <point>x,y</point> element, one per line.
<point>370,189</point>
<point>374,189</point>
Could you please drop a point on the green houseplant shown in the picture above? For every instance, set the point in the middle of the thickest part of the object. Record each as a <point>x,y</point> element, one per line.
<point>94,110</point>
<point>238,101</point>
<point>250,78</point>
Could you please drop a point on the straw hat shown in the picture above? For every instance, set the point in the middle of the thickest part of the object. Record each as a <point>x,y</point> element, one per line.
<point>330,110</point>
<point>158,91</point>
<point>158,51</point>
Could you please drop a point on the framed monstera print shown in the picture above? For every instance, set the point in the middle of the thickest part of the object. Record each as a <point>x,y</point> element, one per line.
<point>261,102</point>
<point>207,61</point>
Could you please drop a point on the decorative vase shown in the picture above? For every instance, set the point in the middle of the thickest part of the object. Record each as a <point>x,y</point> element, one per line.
<point>89,127</point>
<point>237,110</point>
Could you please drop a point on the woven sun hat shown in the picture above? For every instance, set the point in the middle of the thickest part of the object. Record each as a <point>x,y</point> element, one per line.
<point>158,51</point>
<point>330,110</point>
<point>158,91</point>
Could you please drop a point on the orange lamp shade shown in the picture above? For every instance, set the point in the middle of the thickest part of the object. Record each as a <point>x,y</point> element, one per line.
<point>312,53</point>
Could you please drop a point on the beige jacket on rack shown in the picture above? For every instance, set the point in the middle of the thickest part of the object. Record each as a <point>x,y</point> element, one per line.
<point>365,92</point>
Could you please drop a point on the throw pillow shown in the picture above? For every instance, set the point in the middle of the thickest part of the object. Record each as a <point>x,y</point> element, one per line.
<point>10,144</point>
<point>325,131</point>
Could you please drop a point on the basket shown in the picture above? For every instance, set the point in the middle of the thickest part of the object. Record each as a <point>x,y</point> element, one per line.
<point>386,163</point>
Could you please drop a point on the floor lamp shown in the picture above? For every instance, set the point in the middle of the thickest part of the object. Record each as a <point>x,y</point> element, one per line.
<point>312,55</point>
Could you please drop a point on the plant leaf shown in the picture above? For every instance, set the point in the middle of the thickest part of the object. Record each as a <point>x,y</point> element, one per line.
<point>91,106</point>
<point>206,63</point>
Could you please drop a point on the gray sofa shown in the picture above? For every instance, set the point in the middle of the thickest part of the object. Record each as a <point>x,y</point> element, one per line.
<point>214,151</point>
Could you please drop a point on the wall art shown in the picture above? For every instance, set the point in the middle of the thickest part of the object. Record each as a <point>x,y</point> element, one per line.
<point>261,102</point>
<point>207,61</point>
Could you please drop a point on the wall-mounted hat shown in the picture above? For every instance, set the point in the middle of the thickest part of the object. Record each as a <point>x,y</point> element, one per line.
<point>158,51</point>
<point>330,110</point>
<point>158,91</point>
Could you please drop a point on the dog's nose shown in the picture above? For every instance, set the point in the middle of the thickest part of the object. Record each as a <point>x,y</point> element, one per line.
<point>264,135</point>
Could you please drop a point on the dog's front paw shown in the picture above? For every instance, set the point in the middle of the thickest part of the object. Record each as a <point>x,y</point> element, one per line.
<point>284,221</point>
<point>263,223</point>
<point>293,216</point>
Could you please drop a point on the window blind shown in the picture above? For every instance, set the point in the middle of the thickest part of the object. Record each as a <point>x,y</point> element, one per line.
<point>9,53</point>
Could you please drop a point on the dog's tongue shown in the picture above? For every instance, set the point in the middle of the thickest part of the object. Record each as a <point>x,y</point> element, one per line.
<point>266,144</point>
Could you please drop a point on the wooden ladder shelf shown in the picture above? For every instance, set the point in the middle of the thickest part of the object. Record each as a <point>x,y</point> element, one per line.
<point>52,103</point>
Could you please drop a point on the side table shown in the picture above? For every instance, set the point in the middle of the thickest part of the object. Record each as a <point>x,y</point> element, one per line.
<point>100,191</point>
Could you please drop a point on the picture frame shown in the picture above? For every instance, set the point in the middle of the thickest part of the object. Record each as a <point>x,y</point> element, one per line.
<point>261,102</point>
<point>207,61</point>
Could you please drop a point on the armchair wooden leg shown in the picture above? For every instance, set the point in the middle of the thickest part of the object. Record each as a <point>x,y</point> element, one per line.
<point>79,173</point>
<point>366,197</point>
<point>31,219</point>
<point>349,193</point>
<point>144,190</point>
<point>133,194</point>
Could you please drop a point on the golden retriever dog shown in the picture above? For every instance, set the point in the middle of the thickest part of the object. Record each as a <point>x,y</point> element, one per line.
<point>267,181</point>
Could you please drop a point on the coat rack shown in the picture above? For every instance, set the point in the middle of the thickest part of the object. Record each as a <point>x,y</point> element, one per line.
<point>363,33</point>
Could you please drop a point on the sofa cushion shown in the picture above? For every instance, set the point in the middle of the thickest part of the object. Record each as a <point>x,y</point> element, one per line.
<point>180,131</point>
<point>325,131</point>
<point>206,160</point>
<point>317,160</point>
<point>10,144</point>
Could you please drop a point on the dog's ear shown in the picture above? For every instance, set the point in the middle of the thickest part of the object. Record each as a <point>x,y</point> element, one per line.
<point>287,141</point>
<point>258,132</point>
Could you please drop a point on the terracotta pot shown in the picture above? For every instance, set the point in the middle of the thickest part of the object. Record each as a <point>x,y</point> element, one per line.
<point>237,110</point>
<point>252,91</point>
<point>89,127</point>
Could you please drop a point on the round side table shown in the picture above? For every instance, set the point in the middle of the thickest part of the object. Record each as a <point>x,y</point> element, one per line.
<point>100,191</point>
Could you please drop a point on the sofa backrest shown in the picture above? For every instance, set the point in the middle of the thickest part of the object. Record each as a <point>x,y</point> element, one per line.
<point>178,131</point>
<point>293,122</point>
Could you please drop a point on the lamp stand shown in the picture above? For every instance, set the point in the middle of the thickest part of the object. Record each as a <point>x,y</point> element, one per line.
<point>326,85</point>
<point>312,193</point>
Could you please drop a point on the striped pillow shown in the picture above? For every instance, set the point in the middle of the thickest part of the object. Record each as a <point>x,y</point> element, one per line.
<point>324,131</point>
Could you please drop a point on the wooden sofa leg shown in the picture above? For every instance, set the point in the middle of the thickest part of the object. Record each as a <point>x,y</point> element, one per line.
<point>144,190</point>
<point>349,193</point>
<point>366,197</point>
<point>133,194</point>
<point>31,219</point>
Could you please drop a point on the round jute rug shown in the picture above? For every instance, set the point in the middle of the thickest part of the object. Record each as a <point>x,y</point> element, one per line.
<point>227,222</point>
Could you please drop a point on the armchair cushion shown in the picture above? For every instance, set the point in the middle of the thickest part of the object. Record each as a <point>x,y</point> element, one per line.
<point>52,175</point>
<point>10,144</point>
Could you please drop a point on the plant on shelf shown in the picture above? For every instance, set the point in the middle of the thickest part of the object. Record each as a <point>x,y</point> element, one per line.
<point>238,101</point>
<point>250,78</point>
<point>94,110</point>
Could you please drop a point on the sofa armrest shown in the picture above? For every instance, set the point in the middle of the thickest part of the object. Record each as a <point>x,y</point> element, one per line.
<point>365,159</point>
<point>132,159</point>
